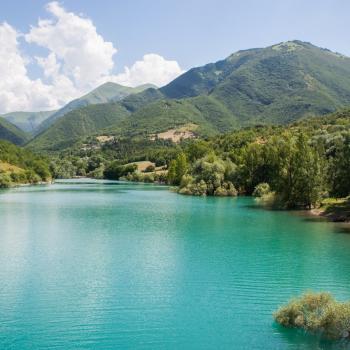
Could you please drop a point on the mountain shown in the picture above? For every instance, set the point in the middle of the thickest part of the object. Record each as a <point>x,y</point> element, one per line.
<point>278,84</point>
<point>27,121</point>
<point>78,124</point>
<point>108,92</point>
<point>274,85</point>
<point>10,132</point>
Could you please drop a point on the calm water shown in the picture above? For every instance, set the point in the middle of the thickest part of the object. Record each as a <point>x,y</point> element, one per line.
<point>119,266</point>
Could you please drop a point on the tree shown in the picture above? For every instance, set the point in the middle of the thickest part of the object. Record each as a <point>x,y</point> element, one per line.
<point>177,169</point>
<point>298,180</point>
<point>339,169</point>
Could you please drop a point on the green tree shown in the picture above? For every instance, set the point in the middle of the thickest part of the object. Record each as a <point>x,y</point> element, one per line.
<point>339,169</point>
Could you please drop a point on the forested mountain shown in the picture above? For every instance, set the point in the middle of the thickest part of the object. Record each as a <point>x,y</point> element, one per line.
<point>27,121</point>
<point>78,124</point>
<point>108,92</point>
<point>277,84</point>
<point>10,132</point>
<point>274,85</point>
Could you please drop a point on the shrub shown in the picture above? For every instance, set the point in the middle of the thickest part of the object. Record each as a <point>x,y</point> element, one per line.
<point>5,181</point>
<point>261,190</point>
<point>317,313</point>
<point>32,177</point>
<point>115,171</point>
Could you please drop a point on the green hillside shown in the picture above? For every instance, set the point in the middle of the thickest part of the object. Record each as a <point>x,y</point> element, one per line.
<point>20,166</point>
<point>78,124</point>
<point>277,84</point>
<point>11,133</point>
<point>27,121</point>
<point>108,92</point>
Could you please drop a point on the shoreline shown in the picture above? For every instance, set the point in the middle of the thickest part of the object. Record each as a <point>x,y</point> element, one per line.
<point>330,216</point>
<point>331,213</point>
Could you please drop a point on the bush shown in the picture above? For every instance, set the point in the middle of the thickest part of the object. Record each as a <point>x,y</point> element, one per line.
<point>317,313</point>
<point>32,177</point>
<point>194,189</point>
<point>261,190</point>
<point>115,171</point>
<point>5,181</point>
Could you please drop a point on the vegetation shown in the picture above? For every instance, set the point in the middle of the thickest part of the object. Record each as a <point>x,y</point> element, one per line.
<point>10,132</point>
<point>336,209</point>
<point>19,166</point>
<point>296,166</point>
<point>108,92</point>
<point>261,190</point>
<point>278,84</point>
<point>275,85</point>
<point>115,171</point>
<point>28,121</point>
<point>76,125</point>
<point>317,313</point>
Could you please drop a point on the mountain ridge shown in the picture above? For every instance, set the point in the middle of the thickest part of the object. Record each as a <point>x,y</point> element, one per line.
<point>278,84</point>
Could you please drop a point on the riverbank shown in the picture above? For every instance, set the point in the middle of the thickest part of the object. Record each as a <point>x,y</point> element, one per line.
<point>335,210</point>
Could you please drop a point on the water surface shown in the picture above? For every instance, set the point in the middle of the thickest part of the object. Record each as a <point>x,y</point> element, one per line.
<point>120,266</point>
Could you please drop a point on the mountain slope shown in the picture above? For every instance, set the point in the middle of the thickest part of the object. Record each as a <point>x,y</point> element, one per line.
<point>274,85</point>
<point>11,133</point>
<point>78,124</point>
<point>277,84</point>
<point>108,92</point>
<point>27,121</point>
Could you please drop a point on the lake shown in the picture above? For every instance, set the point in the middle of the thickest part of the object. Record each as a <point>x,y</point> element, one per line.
<point>103,265</point>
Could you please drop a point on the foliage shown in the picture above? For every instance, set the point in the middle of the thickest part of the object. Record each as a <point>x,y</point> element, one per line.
<point>107,92</point>
<point>145,177</point>
<point>261,190</point>
<point>115,171</point>
<point>177,169</point>
<point>77,125</point>
<point>5,181</point>
<point>28,121</point>
<point>316,313</point>
<point>10,132</point>
<point>302,163</point>
<point>275,85</point>
<point>339,168</point>
<point>19,166</point>
<point>210,176</point>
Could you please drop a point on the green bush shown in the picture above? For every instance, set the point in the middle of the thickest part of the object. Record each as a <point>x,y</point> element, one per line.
<point>115,171</point>
<point>5,181</point>
<point>317,313</point>
<point>261,190</point>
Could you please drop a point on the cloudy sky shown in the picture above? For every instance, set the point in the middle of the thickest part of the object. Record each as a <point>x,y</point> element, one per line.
<point>52,52</point>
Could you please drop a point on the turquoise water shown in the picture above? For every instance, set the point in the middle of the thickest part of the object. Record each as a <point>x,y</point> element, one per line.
<point>120,266</point>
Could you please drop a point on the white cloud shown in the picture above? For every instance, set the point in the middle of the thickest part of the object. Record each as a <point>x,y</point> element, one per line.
<point>78,60</point>
<point>153,69</point>
<point>17,90</point>
<point>83,55</point>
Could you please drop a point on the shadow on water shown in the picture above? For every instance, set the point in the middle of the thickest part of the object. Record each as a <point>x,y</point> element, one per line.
<point>305,340</point>
<point>342,228</point>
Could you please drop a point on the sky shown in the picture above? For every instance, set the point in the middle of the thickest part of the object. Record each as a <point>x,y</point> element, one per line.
<point>53,52</point>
